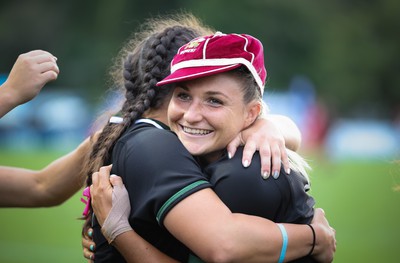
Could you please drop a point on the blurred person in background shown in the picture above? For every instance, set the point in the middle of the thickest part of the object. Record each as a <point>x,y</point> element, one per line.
<point>31,71</point>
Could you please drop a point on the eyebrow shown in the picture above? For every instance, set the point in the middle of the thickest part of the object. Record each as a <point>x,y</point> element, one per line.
<point>210,93</point>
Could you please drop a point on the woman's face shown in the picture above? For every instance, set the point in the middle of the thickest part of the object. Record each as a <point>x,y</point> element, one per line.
<point>207,113</point>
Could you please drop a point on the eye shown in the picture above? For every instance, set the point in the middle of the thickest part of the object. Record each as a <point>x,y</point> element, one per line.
<point>215,101</point>
<point>184,96</point>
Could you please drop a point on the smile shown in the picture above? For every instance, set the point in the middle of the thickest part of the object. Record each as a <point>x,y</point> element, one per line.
<point>195,131</point>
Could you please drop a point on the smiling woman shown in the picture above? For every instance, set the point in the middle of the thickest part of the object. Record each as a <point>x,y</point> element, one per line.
<point>219,86</point>
<point>208,113</point>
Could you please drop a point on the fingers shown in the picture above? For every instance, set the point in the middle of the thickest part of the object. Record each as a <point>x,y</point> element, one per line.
<point>319,213</point>
<point>249,149</point>
<point>276,161</point>
<point>49,76</point>
<point>38,53</point>
<point>95,179</point>
<point>116,180</point>
<point>48,66</point>
<point>41,62</point>
<point>88,245</point>
<point>273,156</point>
<point>101,193</point>
<point>265,154</point>
<point>41,57</point>
<point>320,217</point>
<point>232,146</point>
<point>87,253</point>
<point>100,181</point>
<point>104,176</point>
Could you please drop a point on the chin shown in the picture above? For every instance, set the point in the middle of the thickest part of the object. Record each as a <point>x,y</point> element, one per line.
<point>194,150</point>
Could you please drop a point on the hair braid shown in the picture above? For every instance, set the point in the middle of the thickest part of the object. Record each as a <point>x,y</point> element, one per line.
<point>148,63</point>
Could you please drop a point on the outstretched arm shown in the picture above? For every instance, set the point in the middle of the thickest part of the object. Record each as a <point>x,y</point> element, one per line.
<point>29,74</point>
<point>47,187</point>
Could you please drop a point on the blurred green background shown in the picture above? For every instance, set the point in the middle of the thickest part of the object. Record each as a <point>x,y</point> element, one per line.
<point>358,199</point>
<point>348,52</point>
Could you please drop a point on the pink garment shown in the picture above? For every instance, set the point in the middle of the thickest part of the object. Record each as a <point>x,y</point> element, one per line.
<point>86,193</point>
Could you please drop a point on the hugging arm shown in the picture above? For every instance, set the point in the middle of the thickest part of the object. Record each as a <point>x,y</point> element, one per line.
<point>29,74</point>
<point>143,252</point>
<point>47,187</point>
<point>270,135</point>
<point>204,224</point>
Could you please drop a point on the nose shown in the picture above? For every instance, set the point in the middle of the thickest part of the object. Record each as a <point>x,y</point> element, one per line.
<point>193,113</point>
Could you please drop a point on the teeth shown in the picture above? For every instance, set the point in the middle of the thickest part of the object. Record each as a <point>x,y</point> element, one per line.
<point>196,131</point>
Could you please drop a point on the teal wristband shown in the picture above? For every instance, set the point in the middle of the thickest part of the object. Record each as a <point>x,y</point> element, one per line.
<point>285,242</point>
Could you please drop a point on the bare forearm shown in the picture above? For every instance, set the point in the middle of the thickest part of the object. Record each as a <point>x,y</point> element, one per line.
<point>7,101</point>
<point>264,246</point>
<point>215,234</point>
<point>289,130</point>
<point>259,240</point>
<point>17,186</point>
<point>135,249</point>
<point>48,187</point>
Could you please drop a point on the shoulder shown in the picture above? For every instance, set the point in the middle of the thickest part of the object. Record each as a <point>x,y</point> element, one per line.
<point>147,138</point>
<point>152,150</point>
<point>243,190</point>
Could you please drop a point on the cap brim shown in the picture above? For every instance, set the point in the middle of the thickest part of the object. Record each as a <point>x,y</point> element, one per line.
<point>185,74</point>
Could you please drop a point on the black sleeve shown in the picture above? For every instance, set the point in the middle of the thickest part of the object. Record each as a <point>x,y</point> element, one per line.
<point>157,171</point>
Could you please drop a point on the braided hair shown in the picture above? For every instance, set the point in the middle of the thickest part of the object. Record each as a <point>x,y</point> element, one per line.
<point>148,63</point>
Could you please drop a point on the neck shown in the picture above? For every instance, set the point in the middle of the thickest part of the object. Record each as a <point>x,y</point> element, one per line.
<point>211,157</point>
<point>159,115</point>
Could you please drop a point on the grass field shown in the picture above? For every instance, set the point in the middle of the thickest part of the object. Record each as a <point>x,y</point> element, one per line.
<point>358,199</point>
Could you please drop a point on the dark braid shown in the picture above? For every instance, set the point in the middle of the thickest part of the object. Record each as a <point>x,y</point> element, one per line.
<point>143,68</point>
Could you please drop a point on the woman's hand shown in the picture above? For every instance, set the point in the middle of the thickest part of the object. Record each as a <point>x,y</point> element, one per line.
<point>101,193</point>
<point>263,136</point>
<point>110,203</point>
<point>325,243</point>
<point>88,245</point>
<point>30,73</point>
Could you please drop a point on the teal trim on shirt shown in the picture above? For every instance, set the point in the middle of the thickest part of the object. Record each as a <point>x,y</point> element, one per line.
<point>194,259</point>
<point>176,196</point>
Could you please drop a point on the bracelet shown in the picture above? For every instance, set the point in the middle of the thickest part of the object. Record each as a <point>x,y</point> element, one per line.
<point>313,243</point>
<point>285,242</point>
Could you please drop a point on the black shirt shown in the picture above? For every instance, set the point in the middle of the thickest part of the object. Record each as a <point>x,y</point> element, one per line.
<point>158,172</point>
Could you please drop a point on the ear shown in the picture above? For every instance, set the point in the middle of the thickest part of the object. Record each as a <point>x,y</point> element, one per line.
<point>253,111</point>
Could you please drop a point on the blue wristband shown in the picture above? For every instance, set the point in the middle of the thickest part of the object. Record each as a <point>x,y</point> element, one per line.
<point>285,242</point>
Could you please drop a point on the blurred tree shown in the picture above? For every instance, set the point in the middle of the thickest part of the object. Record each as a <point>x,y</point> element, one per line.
<point>359,56</point>
<point>349,49</point>
<point>84,35</point>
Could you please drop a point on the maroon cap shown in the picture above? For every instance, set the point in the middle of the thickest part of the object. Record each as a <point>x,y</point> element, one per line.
<point>209,55</point>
